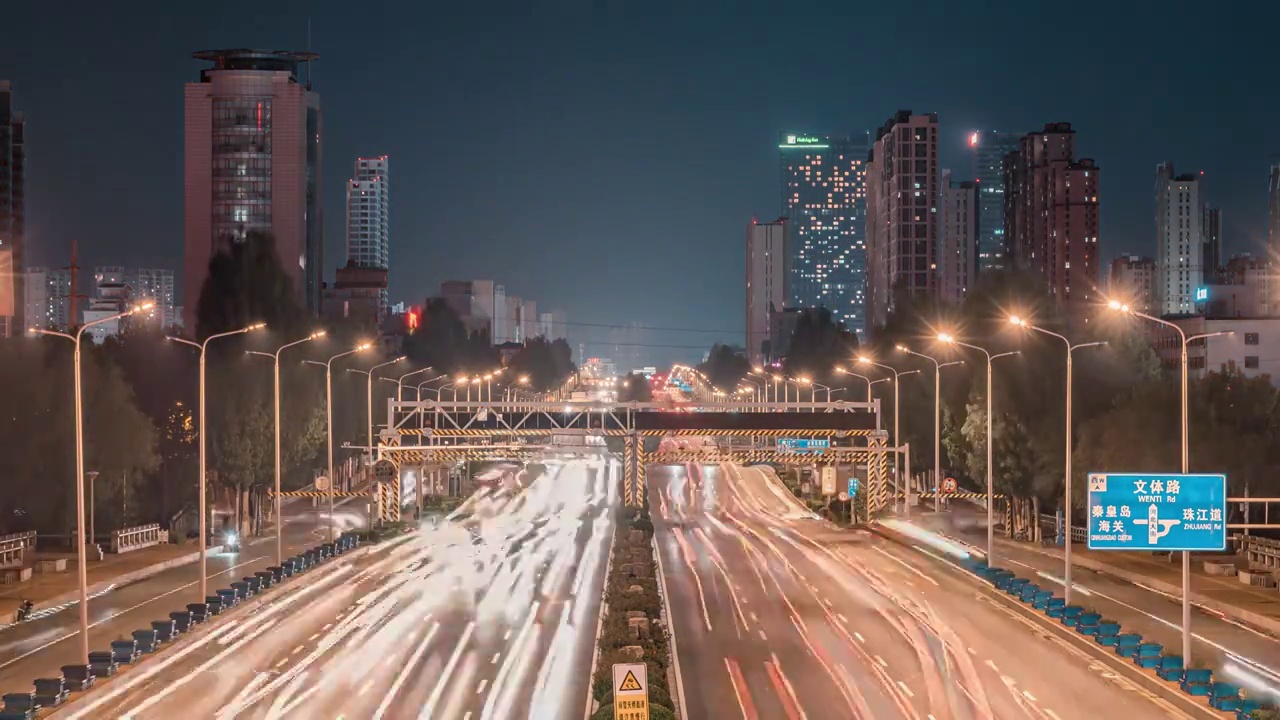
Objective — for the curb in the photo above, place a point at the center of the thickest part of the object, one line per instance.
(1237, 613)
(248, 606)
(595, 645)
(140, 574)
(681, 711)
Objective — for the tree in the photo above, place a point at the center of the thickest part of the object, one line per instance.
(443, 342)
(725, 366)
(247, 284)
(635, 388)
(546, 363)
(818, 344)
(37, 435)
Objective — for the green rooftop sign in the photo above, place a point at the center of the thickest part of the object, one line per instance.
(803, 141)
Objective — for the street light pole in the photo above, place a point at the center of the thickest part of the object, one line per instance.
(1186, 457)
(897, 413)
(276, 503)
(82, 551)
(369, 398)
(328, 411)
(203, 347)
(937, 421)
(991, 533)
(1066, 511)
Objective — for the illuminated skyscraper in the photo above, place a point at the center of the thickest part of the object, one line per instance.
(12, 214)
(252, 164)
(369, 214)
(824, 196)
(902, 207)
(989, 148)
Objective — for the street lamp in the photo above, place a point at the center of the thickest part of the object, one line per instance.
(276, 358)
(368, 402)
(869, 381)
(897, 411)
(991, 534)
(328, 411)
(510, 391)
(1186, 457)
(1071, 349)
(203, 347)
(937, 421)
(400, 381)
(82, 556)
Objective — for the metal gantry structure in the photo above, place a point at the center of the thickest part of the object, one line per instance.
(428, 434)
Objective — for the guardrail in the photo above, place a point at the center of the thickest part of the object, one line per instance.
(1079, 534)
(1261, 552)
(13, 546)
(136, 538)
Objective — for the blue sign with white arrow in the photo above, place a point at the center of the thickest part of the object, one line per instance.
(1151, 511)
(853, 486)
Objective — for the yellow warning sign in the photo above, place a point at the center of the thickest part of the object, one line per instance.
(630, 683)
(631, 691)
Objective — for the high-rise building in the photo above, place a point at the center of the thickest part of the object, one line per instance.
(767, 277)
(902, 195)
(824, 196)
(528, 320)
(958, 244)
(473, 301)
(989, 149)
(111, 296)
(1132, 282)
(1179, 240)
(369, 214)
(155, 285)
(1212, 256)
(12, 213)
(1052, 215)
(1273, 211)
(47, 295)
(252, 164)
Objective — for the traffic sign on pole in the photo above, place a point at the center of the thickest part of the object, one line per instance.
(1154, 511)
(828, 480)
(949, 485)
(853, 486)
(322, 483)
(630, 691)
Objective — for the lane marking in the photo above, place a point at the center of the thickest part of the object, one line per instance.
(906, 689)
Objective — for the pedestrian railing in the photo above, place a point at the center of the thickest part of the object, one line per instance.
(12, 548)
(1049, 528)
(136, 538)
(1261, 552)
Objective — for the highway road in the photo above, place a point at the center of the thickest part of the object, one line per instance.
(1249, 653)
(779, 615)
(41, 646)
(490, 615)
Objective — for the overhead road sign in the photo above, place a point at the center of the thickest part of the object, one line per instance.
(803, 444)
(1154, 511)
(630, 691)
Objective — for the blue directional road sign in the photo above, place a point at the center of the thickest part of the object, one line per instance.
(1150, 511)
(803, 444)
(853, 486)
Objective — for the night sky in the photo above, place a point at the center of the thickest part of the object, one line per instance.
(604, 158)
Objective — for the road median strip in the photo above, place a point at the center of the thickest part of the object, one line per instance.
(633, 625)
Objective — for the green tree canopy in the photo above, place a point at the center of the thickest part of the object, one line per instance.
(635, 388)
(725, 366)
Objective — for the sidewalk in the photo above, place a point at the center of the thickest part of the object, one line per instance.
(50, 590)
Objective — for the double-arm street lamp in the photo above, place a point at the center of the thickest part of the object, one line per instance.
(991, 533)
(276, 358)
(897, 412)
(328, 411)
(937, 421)
(203, 347)
(400, 381)
(868, 380)
(1184, 339)
(82, 556)
(1066, 511)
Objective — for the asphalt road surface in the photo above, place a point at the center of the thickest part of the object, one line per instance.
(1250, 655)
(492, 615)
(41, 646)
(779, 615)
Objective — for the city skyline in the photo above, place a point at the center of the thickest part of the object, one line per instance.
(444, 199)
